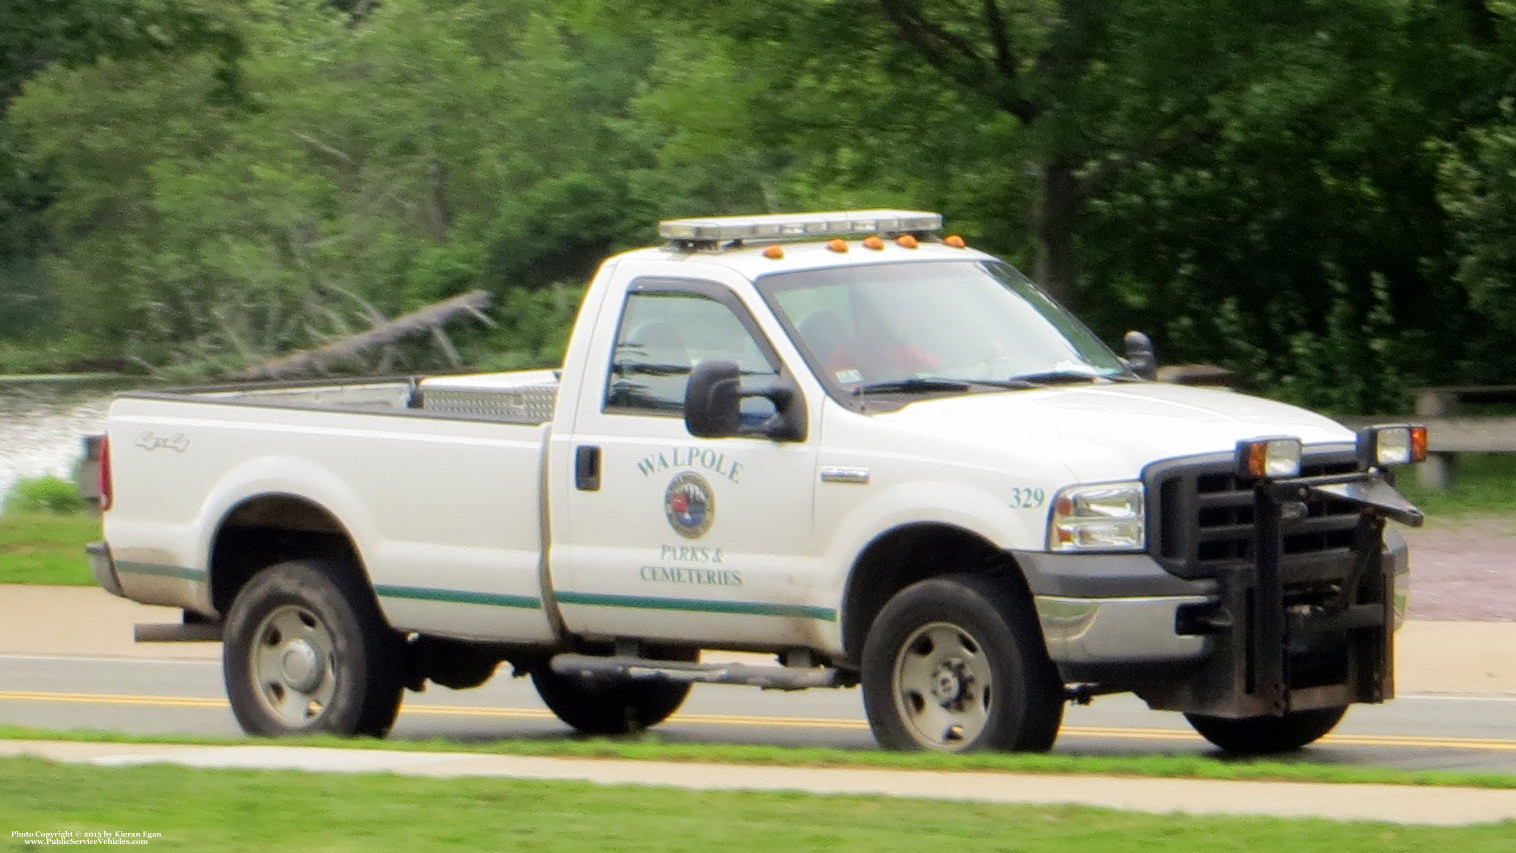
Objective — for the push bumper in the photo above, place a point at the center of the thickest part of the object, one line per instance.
(1122, 621)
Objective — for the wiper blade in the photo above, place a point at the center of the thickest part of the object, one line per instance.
(932, 383)
(1058, 377)
(905, 386)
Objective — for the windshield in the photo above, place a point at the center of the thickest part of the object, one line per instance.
(933, 327)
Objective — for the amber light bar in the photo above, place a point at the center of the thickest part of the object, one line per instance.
(795, 226)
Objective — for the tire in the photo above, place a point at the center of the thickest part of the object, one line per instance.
(1264, 735)
(306, 651)
(957, 664)
(611, 706)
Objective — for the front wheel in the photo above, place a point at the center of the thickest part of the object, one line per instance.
(1264, 735)
(955, 664)
(306, 651)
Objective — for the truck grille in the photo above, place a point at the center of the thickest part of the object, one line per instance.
(1200, 520)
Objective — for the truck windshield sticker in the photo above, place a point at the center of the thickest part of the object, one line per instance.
(690, 505)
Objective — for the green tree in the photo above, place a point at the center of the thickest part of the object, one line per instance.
(1173, 157)
(380, 163)
(35, 36)
(1478, 191)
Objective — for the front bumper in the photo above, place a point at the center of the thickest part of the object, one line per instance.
(1093, 639)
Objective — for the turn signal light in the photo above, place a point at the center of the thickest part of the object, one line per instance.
(907, 240)
(838, 245)
(955, 241)
(1272, 458)
(874, 242)
(773, 252)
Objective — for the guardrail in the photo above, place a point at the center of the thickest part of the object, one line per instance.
(1451, 431)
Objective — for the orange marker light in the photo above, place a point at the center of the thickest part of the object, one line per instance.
(873, 242)
(1258, 459)
(838, 245)
(955, 241)
(773, 252)
(907, 241)
(1418, 444)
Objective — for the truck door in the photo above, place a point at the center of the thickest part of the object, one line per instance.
(659, 534)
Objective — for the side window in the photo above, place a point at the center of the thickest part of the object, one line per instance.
(663, 335)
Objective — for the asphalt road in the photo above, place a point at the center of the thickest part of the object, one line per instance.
(185, 696)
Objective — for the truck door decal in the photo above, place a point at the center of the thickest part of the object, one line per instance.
(690, 505)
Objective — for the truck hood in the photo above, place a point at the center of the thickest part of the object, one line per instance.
(1109, 432)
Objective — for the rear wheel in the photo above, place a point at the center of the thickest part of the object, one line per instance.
(955, 664)
(612, 706)
(1263, 735)
(306, 651)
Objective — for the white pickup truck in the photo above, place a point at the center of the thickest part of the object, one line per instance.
(882, 457)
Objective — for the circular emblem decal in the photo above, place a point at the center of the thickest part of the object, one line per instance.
(690, 505)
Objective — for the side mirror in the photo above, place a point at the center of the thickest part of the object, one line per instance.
(713, 400)
(1139, 355)
(713, 405)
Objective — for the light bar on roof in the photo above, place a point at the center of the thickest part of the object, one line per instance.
(794, 226)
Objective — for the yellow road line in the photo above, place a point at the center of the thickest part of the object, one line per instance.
(111, 699)
(414, 709)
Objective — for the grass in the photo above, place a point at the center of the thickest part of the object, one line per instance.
(648, 747)
(237, 810)
(42, 548)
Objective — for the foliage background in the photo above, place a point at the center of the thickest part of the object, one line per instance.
(1315, 193)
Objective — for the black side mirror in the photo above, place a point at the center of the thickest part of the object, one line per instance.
(713, 405)
(713, 399)
(1139, 355)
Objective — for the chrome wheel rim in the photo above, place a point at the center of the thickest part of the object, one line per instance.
(293, 665)
(943, 687)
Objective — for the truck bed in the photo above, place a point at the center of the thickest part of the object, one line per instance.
(440, 480)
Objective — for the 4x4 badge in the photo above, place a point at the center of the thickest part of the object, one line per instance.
(690, 505)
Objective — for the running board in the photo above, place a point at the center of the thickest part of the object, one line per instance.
(646, 669)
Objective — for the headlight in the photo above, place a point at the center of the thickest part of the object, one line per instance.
(1105, 517)
(1382, 446)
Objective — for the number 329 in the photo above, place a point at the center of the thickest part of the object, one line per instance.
(1027, 498)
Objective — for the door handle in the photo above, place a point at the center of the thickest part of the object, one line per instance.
(587, 468)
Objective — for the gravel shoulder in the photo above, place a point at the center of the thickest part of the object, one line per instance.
(1464, 569)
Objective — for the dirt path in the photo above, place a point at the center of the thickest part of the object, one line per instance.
(1464, 570)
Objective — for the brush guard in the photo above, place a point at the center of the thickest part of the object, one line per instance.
(1280, 649)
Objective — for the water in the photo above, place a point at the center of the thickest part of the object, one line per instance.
(41, 426)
